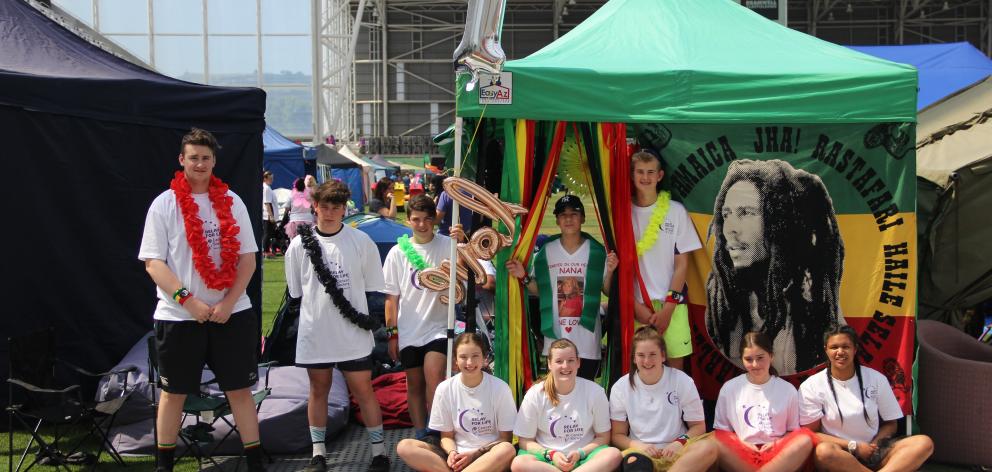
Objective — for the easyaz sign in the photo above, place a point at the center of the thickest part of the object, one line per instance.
(496, 89)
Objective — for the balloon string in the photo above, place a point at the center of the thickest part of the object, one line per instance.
(475, 132)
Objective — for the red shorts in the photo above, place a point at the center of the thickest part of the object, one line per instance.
(760, 458)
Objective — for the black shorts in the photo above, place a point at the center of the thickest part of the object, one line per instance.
(413, 356)
(354, 365)
(230, 350)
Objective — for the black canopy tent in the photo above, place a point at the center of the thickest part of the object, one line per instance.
(89, 140)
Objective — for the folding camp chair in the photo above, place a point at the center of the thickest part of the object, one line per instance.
(208, 409)
(37, 400)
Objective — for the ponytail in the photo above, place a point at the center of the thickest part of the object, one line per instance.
(549, 381)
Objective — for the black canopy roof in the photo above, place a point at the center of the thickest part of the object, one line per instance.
(44, 67)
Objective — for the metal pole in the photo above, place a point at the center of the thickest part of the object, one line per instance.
(385, 68)
(317, 31)
(452, 278)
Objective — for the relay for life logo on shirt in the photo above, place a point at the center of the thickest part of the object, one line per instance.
(756, 416)
(566, 427)
(474, 421)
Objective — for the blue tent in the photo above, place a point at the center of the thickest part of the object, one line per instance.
(383, 231)
(944, 68)
(283, 157)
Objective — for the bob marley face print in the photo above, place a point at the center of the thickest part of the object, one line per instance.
(777, 262)
(743, 225)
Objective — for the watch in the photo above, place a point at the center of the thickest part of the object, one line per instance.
(852, 447)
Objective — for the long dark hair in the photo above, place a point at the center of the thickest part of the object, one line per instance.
(382, 187)
(804, 265)
(648, 334)
(835, 330)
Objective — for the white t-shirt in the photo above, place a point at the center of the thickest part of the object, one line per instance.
(570, 425)
(818, 404)
(476, 415)
(324, 335)
(759, 414)
(658, 264)
(268, 196)
(422, 316)
(164, 238)
(655, 413)
(569, 270)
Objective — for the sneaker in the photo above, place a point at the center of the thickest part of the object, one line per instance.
(379, 464)
(317, 464)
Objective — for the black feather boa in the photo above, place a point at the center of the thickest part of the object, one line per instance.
(330, 284)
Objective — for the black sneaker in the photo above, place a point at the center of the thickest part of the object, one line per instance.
(317, 464)
(379, 464)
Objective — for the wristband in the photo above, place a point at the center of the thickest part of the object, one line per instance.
(682, 439)
(549, 455)
(526, 280)
(675, 297)
(393, 332)
(181, 295)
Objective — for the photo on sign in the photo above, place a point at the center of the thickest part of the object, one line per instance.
(570, 296)
(777, 263)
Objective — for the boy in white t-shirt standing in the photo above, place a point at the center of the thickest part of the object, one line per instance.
(332, 266)
(665, 239)
(199, 249)
(415, 315)
(568, 273)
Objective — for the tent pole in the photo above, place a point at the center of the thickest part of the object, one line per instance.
(452, 278)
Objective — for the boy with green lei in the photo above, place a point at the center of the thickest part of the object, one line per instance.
(666, 236)
(415, 316)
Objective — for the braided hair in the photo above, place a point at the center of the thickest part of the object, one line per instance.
(837, 330)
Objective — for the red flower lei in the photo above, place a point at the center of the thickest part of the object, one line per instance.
(217, 279)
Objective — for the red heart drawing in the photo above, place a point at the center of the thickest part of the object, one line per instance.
(568, 329)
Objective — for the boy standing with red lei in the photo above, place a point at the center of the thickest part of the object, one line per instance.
(199, 250)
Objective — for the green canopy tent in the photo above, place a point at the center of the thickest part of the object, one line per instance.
(697, 62)
(708, 83)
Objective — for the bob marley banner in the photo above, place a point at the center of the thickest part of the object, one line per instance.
(803, 226)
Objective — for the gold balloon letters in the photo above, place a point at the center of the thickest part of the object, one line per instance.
(484, 244)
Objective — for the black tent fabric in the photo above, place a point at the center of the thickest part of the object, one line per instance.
(89, 141)
(328, 156)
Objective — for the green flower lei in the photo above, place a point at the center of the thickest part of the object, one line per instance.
(650, 235)
(416, 260)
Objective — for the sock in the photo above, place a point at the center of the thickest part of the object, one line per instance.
(166, 456)
(376, 439)
(253, 452)
(317, 436)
